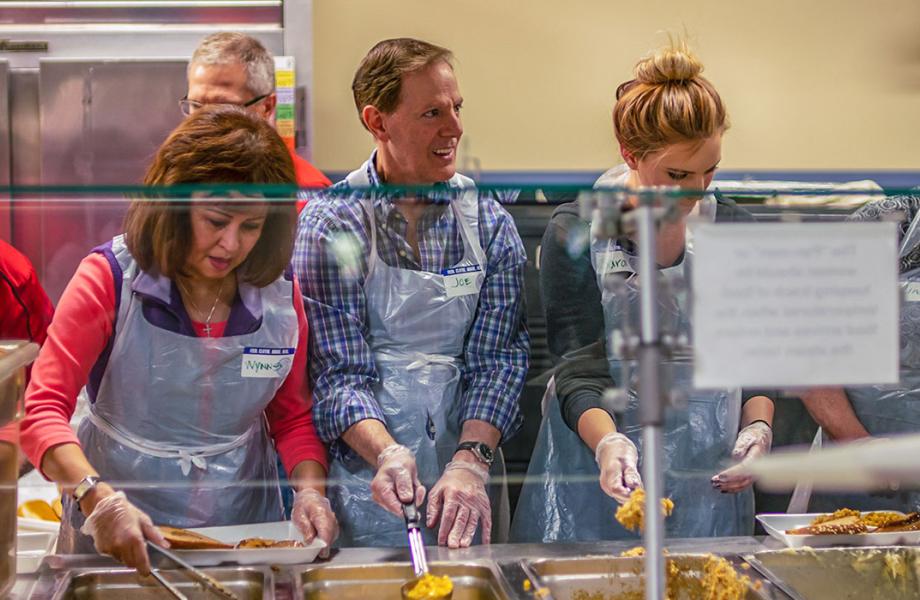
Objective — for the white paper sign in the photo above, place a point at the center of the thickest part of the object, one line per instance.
(795, 304)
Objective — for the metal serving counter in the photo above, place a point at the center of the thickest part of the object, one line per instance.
(484, 572)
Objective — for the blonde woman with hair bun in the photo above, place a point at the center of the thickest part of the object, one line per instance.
(669, 121)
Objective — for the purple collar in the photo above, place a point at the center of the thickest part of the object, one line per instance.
(245, 312)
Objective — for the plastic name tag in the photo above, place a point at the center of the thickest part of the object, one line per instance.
(912, 291)
(462, 281)
(266, 362)
(614, 261)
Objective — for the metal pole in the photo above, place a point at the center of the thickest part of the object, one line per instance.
(651, 405)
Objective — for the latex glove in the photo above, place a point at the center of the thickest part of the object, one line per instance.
(312, 515)
(754, 440)
(618, 459)
(396, 481)
(460, 499)
(120, 529)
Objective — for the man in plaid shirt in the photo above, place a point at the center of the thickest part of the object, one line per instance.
(419, 345)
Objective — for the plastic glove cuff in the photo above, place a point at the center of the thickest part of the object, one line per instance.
(89, 526)
(607, 440)
(478, 470)
(391, 450)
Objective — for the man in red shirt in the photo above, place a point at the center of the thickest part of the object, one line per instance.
(25, 310)
(234, 68)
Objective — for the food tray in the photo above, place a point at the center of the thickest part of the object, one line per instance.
(616, 577)
(477, 580)
(280, 530)
(119, 584)
(777, 524)
(843, 573)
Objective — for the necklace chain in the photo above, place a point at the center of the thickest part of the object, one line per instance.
(207, 322)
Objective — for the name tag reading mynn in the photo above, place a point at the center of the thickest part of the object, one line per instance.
(266, 362)
(462, 281)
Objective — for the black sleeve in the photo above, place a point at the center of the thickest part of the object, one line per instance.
(580, 383)
(571, 298)
(574, 316)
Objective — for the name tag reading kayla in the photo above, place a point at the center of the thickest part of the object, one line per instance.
(912, 291)
(266, 362)
(615, 261)
(462, 281)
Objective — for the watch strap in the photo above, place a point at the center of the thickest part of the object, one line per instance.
(86, 485)
(480, 450)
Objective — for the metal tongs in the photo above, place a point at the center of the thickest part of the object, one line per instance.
(416, 545)
(209, 582)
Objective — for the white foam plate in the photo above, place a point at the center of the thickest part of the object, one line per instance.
(37, 525)
(31, 548)
(777, 524)
(232, 534)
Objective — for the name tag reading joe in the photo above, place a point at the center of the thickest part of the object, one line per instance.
(462, 281)
(266, 362)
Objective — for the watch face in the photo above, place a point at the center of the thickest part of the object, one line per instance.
(486, 452)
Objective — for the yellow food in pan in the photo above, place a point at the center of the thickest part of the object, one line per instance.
(430, 586)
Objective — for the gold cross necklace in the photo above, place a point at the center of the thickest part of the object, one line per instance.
(207, 322)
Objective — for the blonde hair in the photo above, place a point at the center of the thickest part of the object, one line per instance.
(667, 102)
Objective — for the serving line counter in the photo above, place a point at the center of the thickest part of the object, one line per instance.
(585, 571)
(483, 572)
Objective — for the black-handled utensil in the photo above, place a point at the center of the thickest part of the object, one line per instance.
(416, 545)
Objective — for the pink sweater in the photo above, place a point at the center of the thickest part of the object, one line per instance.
(82, 325)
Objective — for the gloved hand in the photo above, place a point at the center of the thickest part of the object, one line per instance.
(396, 481)
(313, 517)
(119, 529)
(752, 441)
(618, 460)
(460, 498)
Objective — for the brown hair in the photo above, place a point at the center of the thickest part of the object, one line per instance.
(378, 80)
(218, 144)
(667, 102)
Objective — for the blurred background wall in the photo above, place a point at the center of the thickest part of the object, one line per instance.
(816, 85)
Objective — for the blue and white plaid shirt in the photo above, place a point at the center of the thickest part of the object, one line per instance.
(330, 260)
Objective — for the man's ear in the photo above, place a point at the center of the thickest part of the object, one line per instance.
(374, 120)
(267, 107)
(631, 161)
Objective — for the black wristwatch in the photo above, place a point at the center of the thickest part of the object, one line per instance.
(481, 450)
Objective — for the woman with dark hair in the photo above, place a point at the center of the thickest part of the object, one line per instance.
(190, 337)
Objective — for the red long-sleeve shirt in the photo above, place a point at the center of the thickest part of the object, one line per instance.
(26, 309)
(82, 326)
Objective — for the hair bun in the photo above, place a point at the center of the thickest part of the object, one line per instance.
(671, 64)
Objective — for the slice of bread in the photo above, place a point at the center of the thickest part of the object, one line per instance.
(910, 522)
(848, 525)
(183, 539)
